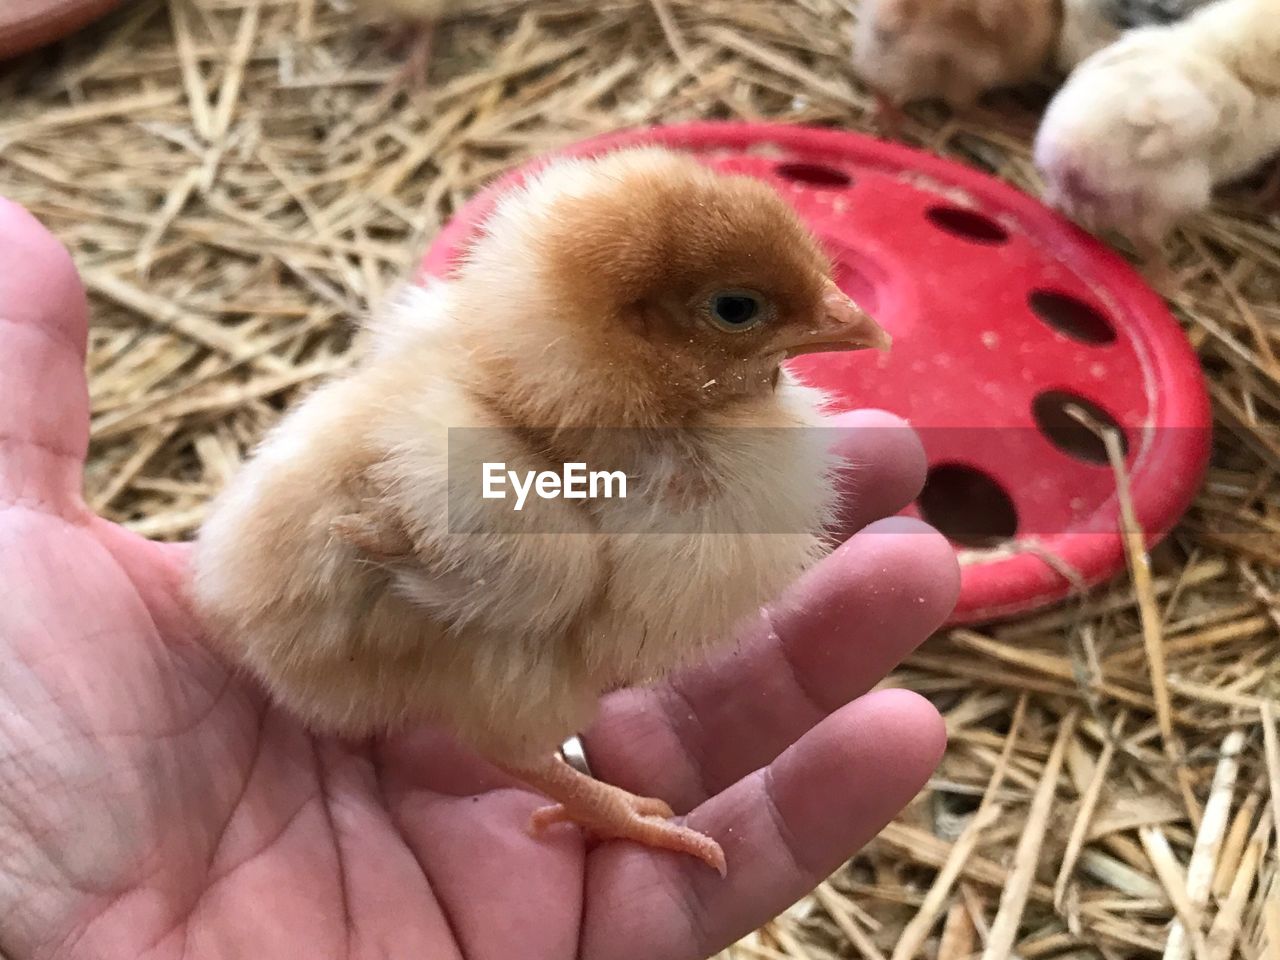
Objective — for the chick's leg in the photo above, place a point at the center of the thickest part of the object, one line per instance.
(889, 116)
(611, 813)
(1156, 267)
(411, 77)
(419, 58)
(1269, 193)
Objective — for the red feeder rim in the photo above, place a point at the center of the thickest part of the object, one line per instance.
(1003, 314)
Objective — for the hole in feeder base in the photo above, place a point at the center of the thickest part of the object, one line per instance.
(967, 506)
(1068, 434)
(1071, 316)
(968, 225)
(814, 174)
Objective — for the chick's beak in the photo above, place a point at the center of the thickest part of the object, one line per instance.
(843, 326)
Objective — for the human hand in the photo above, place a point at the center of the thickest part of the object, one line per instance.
(153, 802)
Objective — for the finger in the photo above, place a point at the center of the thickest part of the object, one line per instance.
(783, 829)
(44, 421)
(886, 468)
(831, 638)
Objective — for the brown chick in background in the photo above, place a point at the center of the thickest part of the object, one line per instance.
(629, 312)
(951, 50)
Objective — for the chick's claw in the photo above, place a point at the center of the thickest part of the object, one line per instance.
(642, 820)
(665, 835)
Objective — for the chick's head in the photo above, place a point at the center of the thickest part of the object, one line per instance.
(641, 286)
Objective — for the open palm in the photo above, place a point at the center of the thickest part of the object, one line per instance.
(154, 803)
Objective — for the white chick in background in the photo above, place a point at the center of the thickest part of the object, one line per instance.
(1142, 131)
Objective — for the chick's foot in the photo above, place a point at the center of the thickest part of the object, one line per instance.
(609, 813)
(418, 63)
(889, 117)
(545, 817)
(639, 819)
(1156, 268)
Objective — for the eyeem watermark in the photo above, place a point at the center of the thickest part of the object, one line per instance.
(575, 482)
(986, 484)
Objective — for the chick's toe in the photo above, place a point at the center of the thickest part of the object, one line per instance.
(610, 813)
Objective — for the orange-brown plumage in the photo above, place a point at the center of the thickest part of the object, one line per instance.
(953, 50)
(588, 323)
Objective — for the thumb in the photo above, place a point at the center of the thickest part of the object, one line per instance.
(44, 415)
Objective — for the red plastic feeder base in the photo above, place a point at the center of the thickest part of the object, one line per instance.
(1003, 316)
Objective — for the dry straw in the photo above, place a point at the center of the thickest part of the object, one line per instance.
(237, 185)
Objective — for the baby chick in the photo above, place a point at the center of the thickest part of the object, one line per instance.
(951, 50)
(1143, 131)
(629, 312)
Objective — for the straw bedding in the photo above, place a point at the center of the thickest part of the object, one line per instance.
(236, 185)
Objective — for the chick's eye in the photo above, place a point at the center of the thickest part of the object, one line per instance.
(736, 310)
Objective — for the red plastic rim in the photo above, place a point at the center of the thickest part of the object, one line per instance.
(1003, 313)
